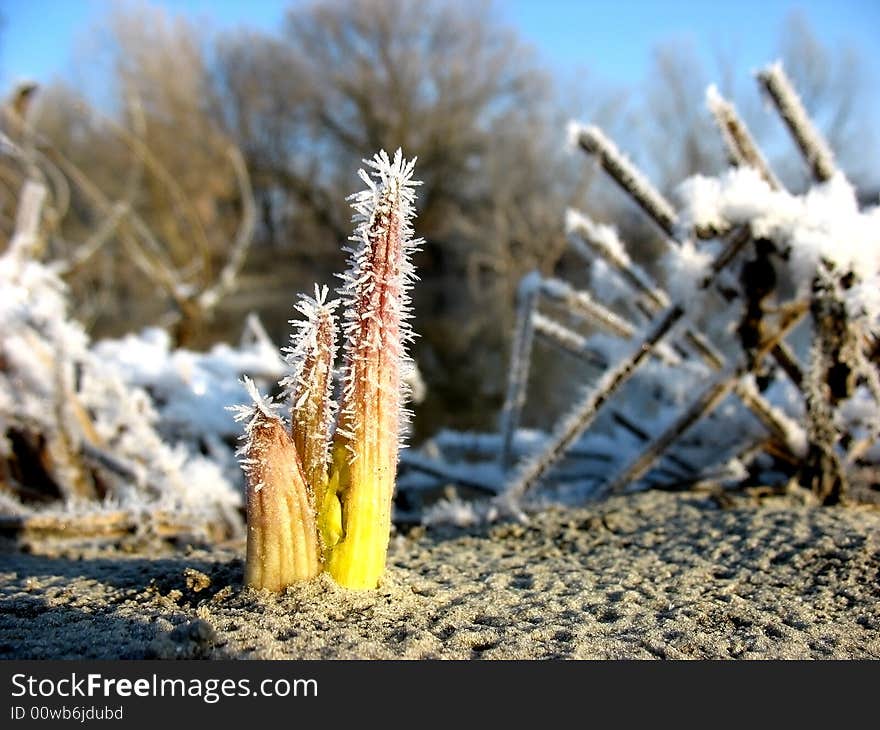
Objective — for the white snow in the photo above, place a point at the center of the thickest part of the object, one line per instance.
(597, 235)
(825, 222)
(191, 390)
(684, 267)
(573, 134)
(460, 513)
(607, 284)
(714, 101)
(50, 370)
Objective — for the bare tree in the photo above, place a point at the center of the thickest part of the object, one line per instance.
(450, 84)
(442, 80)
(678, 137)
(675, 137)
(832, 83)
(162, 180)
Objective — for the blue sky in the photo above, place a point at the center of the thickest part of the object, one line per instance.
(613, 40)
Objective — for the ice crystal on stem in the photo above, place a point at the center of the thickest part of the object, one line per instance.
(310, 387)
(318, 495)
(282, 544)
(376, 333)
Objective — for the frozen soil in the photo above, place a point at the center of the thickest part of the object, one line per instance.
(640, 576)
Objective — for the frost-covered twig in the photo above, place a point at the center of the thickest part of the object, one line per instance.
(582, 416)
(113, 526)
(708, 400)
(584, 413)
(870, 372)
(740, 146)
(582, 304)
(520, 360)
(826, 225)
(454, 473)
(593, 141)
(466, 445)
(26, 237)
(834, 364)
(567, 339)
(812, 145)
(705, 349)
(254, 333)
(705, 403)
(713, 479)
(587, 236)
(785, 429)
(113, 463)
(605, 243)
(64, 443)
(787, 360)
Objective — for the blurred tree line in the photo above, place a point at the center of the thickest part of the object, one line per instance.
(211, 178)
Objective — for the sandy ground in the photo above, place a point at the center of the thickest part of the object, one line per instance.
(642, 576)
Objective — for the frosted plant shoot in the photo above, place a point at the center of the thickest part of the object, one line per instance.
(376, 332)
(282, 546)
(312, 412)
(320, 492)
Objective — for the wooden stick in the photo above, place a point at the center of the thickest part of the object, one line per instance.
(568, 340)
(593, 141)
(771, 418)
(107, 526)
(587, 236)
(739, 143)
(787, 360)
(520, 361)
(709, 482)
(869, 371)
(812, 145)
(705, 403)
(708, 400)
(445, 471)
(582, 228)
(582, 304)
(582, 416)
(584, 413)
(705, 349)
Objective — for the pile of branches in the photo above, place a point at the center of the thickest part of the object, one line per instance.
(757, 361)
(80, 453)
(178, 262)
(129, 437)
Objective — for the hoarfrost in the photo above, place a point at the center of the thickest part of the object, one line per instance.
(824, 223)
(91, 406)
